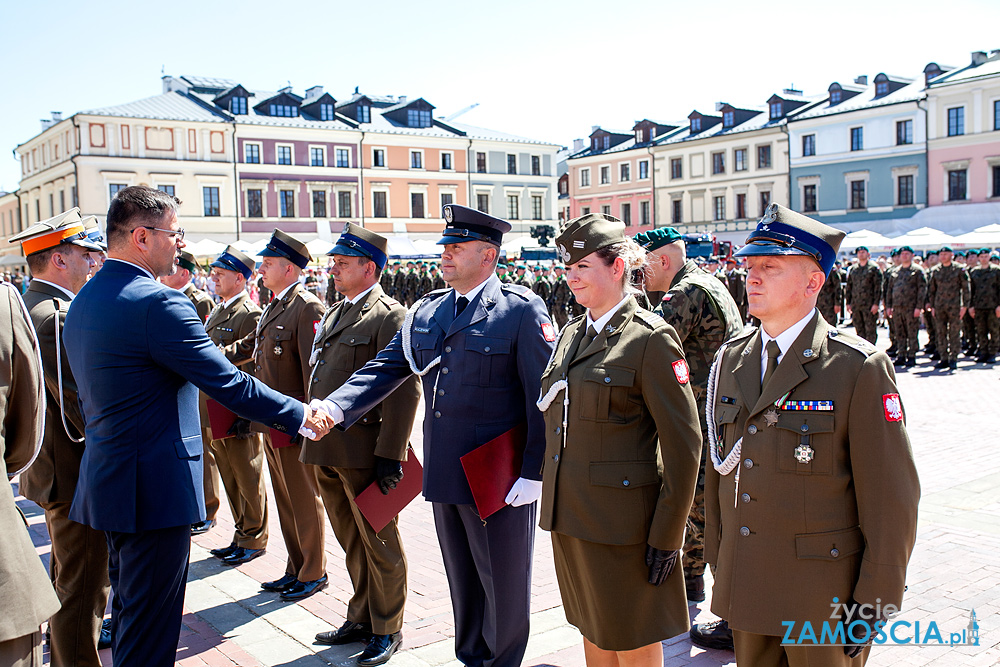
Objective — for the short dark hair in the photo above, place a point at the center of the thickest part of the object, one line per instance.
(137, 205)
(38, 261)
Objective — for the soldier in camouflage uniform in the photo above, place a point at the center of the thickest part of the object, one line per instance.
(522, 277)
(437, 280)
(561, 296)
(411, 284)
(969, 260)
(398, 283)
(736, 282)
(887, 275)
(905, 297)
(704, 314)
(384, 281)
(948, 294)
(542, 287)
(426, 283)
(930, 261)
(985, 281)
(830, 296)
(863, 293)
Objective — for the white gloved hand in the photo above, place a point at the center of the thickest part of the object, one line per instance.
(523, 492)
(329, 407)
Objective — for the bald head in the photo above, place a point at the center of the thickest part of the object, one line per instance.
(664, 263)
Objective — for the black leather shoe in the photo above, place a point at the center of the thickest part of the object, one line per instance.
(715, 635)
(224, 551)
(202, 527)
(303, 589)
(347, 633)
(695, 588)
(241, 555)
(953, 365)
(279, 585)
(104, 641)
(910, 362)
(380, 648)
(941, 364)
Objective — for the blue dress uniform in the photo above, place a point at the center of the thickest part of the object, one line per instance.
(487, 382)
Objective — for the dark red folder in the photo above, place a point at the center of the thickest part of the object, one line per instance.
(379, 509)
(220, 419)
(493, 468)
(279, 438)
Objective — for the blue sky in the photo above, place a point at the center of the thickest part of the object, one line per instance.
(541, 69)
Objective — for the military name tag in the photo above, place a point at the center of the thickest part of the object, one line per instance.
(421, 330)
(822, 406)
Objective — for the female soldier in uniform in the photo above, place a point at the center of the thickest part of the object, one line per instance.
(622, 454)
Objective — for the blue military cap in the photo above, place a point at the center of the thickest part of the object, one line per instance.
(468, 224)
(287, 246)
(94, 234)
(784, 232)
(234, 260)
(357, 241)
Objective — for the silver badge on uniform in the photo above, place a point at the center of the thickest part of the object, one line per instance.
(448, 215)
(278, 350)
(804, 453)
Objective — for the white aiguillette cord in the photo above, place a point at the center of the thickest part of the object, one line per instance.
(722, 466)
(544, 402)
(408, 351)
(59, 379)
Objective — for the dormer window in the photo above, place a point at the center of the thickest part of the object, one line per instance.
(283, 110)
(418, 118)
(638, 136)
(695, 125)
(881, 88)
(238, 106)
(363, 113)
(836, 97)
(607, 142)
(593, 144)
(728, 118)
(326, 112)
(777, 110)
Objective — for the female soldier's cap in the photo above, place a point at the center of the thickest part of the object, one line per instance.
(784, 232)
(582, 236)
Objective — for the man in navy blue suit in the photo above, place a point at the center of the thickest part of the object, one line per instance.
(140, 354)
(480, 348)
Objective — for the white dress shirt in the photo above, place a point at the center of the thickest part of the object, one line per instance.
(784, 340)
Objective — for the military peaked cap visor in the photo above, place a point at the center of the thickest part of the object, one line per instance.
(784, 232)
(234, 260)
(357, 241)
(468, 224)
(67, 228)
(586, 234)
(287, 246)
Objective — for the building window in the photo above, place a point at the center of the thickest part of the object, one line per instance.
(776, 110)
(718, 163)
(741, 205)
(584, 211)
(956, 184)
(416, 161)
(606, 210)
(536, 165)
(72, 191)
(52, 205)
(344, 204)
(881, 88)
(512, 204)
(511, 164)
(728, 118)
(417, 205)
(857, 194)
(446, 161)
(536, 207)
(283, 110)
(996, 181)
(378, 157)
(644, 213)
(585, 178)
(809, 198)
(719, 208)
(836, 97)
(605, 175)
(996, 115)
(343, 157)
(625, 173)
(676, 167)
(379, 208)
(113, 189)
(319, 204)
(483, 202)
(363, 113)
(956, 121)
(169, 189)
(62, 201)
(481, 163)
(765, 201)
(627, 214)
(287, 201)
(695, 125)
(904, 132)
(764, 157)
(251, 153)
(418, 118)
(446, 198)
(607, 141)
(284, 154)
(326, 112)
(238, 105)
(740, 159)
(676, 207)
(857, 138)
(808, 145)
(643, 169)
(316, 158)
(904, 190)
(255, 204)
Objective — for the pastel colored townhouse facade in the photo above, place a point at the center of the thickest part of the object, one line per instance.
(10, 224)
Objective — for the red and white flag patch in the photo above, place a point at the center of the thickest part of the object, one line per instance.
(893, 407)
(681, 371)
(548, 331)
(316, 327)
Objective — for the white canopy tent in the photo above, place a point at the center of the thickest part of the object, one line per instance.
(871, 240)
(205, 248)
(987, 236)
(925, 238)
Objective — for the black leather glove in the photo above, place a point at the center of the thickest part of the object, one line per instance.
(388, 474)
(661, 563)
(853, 650)
(240, 428)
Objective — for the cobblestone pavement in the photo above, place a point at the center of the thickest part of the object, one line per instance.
(955, 566)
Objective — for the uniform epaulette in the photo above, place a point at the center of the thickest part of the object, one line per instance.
(519, 290)
(650, 318)
(852, 341)
(435, 293)
(746, 333)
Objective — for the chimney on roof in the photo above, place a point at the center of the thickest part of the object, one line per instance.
(46, 124)
(171, 83)
(594, 128)
(286, 89)
(314, 92)
(577, 145)
(56, 116)
(862, 80)
(401, 99)
(719, 105)
(792, 90)
(978, 58)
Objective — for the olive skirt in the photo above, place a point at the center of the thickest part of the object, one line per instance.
(607, 595)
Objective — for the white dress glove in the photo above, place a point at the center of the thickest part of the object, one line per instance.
(523, 492)
(329, 407)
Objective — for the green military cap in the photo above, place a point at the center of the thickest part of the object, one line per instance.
(903, 249)
(586, 234)
(287, 246)
(657, 238)
(186, 260)
(65, 228)
(234, 260)
(782, 231)
(930, 252)
(995, 255)
(357, 241)
(501, 265)
(893, 252)
(860, 248)
(984, 251)
(946, 248)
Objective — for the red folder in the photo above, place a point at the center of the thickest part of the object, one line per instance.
(220, 419)
(380, 509)
(280, 438)
(493, 468)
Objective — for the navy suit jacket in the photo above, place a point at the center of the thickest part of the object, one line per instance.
(139, 353)
(492, 358)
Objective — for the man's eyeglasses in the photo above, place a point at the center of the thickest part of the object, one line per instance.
(179, 233)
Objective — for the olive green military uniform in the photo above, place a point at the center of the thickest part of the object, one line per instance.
(411, 285)
(78, 562)
(830, 297)
(280, 348)
(864, 290)
(825, 504)
(948, 292)
(543, 288)
(621, 478)
(385, 280)
(905, 293)
(889, 322)
(202, 302)
(26, 596)
(561, 296)
(240, 460)
(437, 281)
(399, 286)
(344, 461)
(985, 284)
(704, 315)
